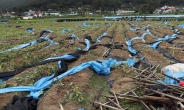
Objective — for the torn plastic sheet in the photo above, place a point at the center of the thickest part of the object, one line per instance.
(4, 79)
(88, 44)
(100, 67)
(85, 25)
(178, 75)
(21, 46)
(181, 26)
(45, 32)
(30, 30)
(154, 45)
(98, 39)
(164, 22)
(31, 43)
(74, 36)
(132, 50)
(50, 40)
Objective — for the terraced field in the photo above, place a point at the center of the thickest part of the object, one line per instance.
(112, 41)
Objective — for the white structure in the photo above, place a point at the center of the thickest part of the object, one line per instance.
(56, 13)
(165, 9)
(27, 17)
(122, 12)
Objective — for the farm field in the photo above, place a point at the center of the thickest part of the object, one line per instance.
(79, 45)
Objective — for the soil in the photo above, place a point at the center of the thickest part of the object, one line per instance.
(58, 93)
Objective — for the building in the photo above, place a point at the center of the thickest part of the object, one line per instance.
(27, 17)
(165, 9)
(56, 13)
(123, 12)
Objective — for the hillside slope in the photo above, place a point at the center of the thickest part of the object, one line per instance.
(8, 4)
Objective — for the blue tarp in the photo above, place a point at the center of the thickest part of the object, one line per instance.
(21, 46)
(4, 79)
(88, 44)
(30, 30)
(85, 25)
(74, 36)
(181, 26)
(178, 75)
(45, 82)
(98, 39)
(164, 22)
(31, 43)
(154, 45)
(66, 56)
(131, 50)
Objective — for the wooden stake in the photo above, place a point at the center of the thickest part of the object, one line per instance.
(61, 106)
(115, 104)
(145, 106)
(116, 98)
(170, 96)
(101, 107)
(107, 106)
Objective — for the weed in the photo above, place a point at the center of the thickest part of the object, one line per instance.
(74, 94)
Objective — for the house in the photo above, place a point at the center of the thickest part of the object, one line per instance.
(122, 12)
(56, 13)
(9, 14)
(27, 17)
(38, 14)
(165, 9)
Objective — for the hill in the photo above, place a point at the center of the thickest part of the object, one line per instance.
(146, 6)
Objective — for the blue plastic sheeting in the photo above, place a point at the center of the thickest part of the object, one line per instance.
(159, 40)
(178, 75)
(154, 45)
(129, 42)
(85, 25)
(148, 32)
(30, 30)
(81, 109)
(139, 19)
(48, 39)
(47, 31)
(176, 31)
(115, 18)
(181, 26)
(88, 44)
(131, 50)
(165, 22)
(74, 36)
(4, 79)
(21, 46)
(167, 37)
(45, 82)
(59, 62)
(131, 29)
(130, 62)
(66, 56)
(64, 31)
(98, 39)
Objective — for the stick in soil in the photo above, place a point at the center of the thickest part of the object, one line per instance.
(115, 103)
(170, 96)
(145, 106)
(107, 106)
(116, 98)
(61, 106)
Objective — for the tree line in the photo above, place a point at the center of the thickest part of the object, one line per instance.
(144, 6)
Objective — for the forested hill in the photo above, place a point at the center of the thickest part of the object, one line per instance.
(9, 4)
(91, 5)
